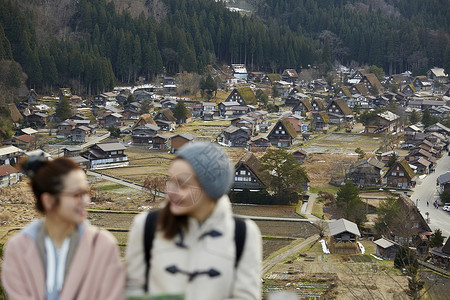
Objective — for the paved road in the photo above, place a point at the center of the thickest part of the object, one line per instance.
(425, 190)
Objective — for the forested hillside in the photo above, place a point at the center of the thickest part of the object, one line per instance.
(88, 45)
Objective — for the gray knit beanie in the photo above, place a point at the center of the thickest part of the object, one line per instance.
(211, 165)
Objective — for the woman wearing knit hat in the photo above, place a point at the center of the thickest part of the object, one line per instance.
(194, 248)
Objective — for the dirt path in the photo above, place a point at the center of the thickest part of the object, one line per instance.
(270, 263)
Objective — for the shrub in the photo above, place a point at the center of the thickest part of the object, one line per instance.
(405, 257)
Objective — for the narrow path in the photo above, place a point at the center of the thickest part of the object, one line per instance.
(116, 180)
(269, 264)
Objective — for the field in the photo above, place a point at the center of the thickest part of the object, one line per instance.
(311, 273)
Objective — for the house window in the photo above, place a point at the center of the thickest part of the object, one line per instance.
(280, 127)
(394, 173)
(237, 173)
(243, 172)
(398, 168)
(401, 174)
(276, 131)
(283, 132)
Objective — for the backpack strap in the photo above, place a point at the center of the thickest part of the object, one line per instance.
(149, 234)
(240, 231)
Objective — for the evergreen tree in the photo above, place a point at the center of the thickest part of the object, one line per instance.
(283, 172)
(437, 239)
(180, 112)
(14, 79)
(414, 117)
(350, 203)
(63, 109)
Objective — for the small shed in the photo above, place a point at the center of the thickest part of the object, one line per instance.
(344, 236)
(386, 248)
(343, 230)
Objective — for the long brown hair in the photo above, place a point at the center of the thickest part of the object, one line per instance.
(170, 224)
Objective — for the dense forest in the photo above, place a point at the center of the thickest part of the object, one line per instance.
(106, 44)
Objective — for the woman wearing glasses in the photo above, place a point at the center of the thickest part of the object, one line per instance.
(194, 248)
(61, 256)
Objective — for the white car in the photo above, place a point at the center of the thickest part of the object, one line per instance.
(446, 207)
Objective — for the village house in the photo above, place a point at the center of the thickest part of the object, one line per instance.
(417, 153)
(386, 248)
(9, 175)
(32, 97)
(25, 142)
(282, 134)
(37, 119)
(303, 107)
(229, 109)
(106, 155)
(159, 142)
(64, 128)
(414, 230)
(245, 123)
(75, 101)
(143, 95)
(343, 231)
(179, 140)
(247, 174)
(9, 155)
(196, 109)
(258, 143)
(409, 90)
(443, 182)
(384, 122)
(400, 175)
(372, 83)
(144, 134)
(28, 130)
(359, 89)
(64, 93)
(441, 255)
(169, 86)
(131, 111)
(244, 96)
(440, 111)
(15, 114)
(300, 155)
(165, 119)
(144, 119)
(339, 112)
(105, 97)
(437, 74)
(298, 123)
(320, 121)
(422, 83)
(270, 79)
(256, 76)
(293, 100)
(168, 103)
(111, 119)
(233, 136)
(318, 104)
(72, 151)
(439, 128)
(239, 71)
(282, 87)
(423, 166)
(366, 172)
(80, 134)
(290, 75)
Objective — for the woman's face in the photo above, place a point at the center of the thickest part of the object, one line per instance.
(183, 189)
(74, 198)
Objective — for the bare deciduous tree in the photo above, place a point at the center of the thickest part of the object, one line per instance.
(155, 184)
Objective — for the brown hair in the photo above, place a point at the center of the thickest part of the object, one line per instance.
(170, 224)
(47, 176)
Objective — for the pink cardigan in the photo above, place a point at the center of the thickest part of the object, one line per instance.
(96, 271)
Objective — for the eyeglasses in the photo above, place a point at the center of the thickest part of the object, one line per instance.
(79, 194)
(175, 184)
